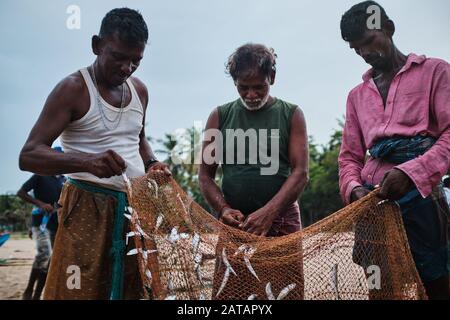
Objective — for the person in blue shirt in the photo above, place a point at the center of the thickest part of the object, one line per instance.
(44, 224)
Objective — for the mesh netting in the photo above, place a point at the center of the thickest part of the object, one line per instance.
(359, 252)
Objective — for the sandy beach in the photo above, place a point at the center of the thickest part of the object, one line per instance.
(19, 254)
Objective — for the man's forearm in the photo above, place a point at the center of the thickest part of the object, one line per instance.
(212, 194)
(27, 198)
(427, 170)
(45, 161)
(145, 150)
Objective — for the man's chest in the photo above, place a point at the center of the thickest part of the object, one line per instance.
(394, 107)
(383, 85)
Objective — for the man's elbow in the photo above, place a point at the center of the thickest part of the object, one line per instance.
(24, 158)
(23, 165)
(302, 176)
(21, 194)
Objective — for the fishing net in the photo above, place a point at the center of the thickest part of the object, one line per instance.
(359, 252)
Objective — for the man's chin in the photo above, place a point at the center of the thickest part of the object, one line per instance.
(118, 81)
(379, 65)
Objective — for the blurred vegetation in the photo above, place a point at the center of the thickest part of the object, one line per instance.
(321, 197)
(15, 215)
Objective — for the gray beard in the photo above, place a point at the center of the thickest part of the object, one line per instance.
(262, 104)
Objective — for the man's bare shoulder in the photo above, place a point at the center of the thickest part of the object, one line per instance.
(141, 89)
(70, 95)
(72, 85)
(138, 83)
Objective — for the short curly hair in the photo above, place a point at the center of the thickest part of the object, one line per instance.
(354, 21)
(250, 60)
(128, 23)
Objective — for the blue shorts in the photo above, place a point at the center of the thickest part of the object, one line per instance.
(426, 223)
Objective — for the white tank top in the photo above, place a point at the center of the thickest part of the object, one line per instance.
(89, 135)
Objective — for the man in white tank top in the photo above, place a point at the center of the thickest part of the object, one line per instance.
(99, 114)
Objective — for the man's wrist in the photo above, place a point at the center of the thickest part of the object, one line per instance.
(149, 163)
(222, 208)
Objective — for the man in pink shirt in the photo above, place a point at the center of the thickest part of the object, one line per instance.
(401, 115)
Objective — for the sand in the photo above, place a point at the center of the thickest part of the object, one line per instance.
(19, 254)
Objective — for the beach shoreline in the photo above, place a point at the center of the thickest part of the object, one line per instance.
(19, 255)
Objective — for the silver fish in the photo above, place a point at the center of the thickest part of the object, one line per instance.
(198, 258)
(153, 185)
(197, 266)
(159, 221)
(141, 232)
(246, 249)
(286, 290)
(184, 235)
(171, 297)
(382, 202)
(148, 274)
(250, 268)
(132, 252)
(174, 236)
(144, 254)
(269, 293)
(129, 235)
(252, 297)
(127, 182)
(250, 251)
(224, 281)
(242, 248)
(198, 272)
(226, 262)
(170, 285)
(335, 281)
(195, 242)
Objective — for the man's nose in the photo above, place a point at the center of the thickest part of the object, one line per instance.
(126, 68)
(251, 94)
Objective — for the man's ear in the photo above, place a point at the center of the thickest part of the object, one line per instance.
(96, 44)
(272, 77)
(389, 28)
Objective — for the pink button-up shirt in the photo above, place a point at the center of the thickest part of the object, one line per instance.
(418, 102)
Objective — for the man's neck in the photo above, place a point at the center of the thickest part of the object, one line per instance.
(100, 79)
(397, 61)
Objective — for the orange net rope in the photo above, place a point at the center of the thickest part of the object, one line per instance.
(359, 252)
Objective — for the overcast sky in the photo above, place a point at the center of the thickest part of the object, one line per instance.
(184, 62)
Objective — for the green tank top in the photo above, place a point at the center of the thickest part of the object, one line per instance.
(250, 180)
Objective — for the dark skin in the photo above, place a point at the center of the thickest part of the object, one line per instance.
(260, 221)
(377, 49)
(69, 101)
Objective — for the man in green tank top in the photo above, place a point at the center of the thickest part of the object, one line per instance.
(261, 143)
